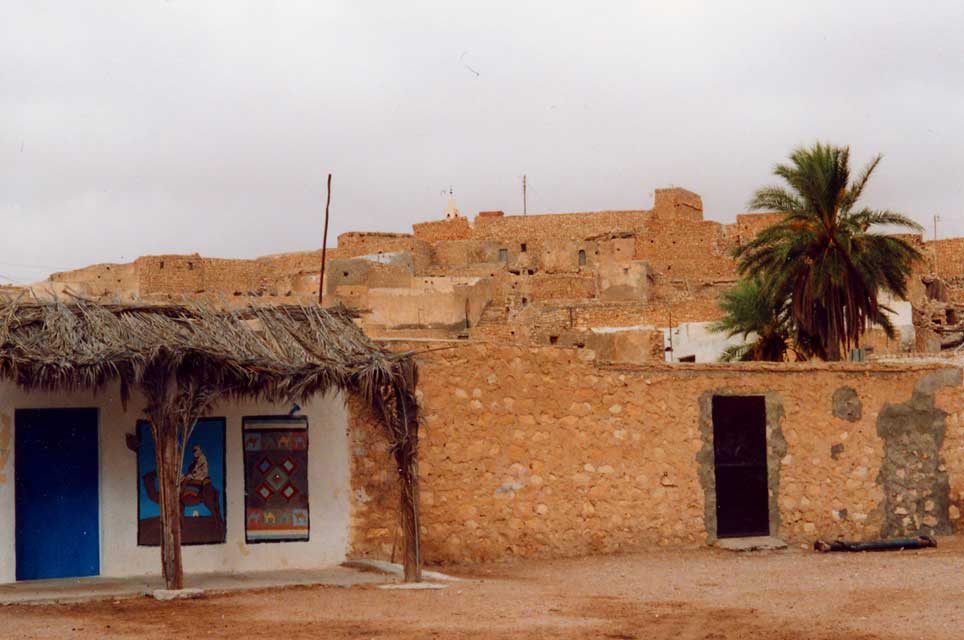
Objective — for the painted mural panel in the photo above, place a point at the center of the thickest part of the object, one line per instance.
(202, 486)
(276, 479)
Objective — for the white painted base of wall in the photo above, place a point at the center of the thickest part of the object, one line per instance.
(329, 481)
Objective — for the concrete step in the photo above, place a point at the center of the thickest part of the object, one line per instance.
(754, 543)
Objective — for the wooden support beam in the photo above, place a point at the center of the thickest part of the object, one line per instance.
(173, 409)
(406, 454)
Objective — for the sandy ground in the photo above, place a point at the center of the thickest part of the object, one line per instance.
(702, 594)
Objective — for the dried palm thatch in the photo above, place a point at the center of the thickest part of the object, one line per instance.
(185, 358)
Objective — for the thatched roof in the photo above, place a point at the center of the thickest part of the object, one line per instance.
(185, 358)
(272, 352)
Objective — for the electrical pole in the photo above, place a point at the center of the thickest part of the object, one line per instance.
(324, 245)
(936, 220)
(524, 206)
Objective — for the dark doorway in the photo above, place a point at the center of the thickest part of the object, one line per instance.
(57, 493)
(740, 457)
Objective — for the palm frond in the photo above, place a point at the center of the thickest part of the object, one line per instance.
(823, 257)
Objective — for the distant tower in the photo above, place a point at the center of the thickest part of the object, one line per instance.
(451, 211)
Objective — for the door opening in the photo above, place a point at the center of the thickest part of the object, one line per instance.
(740, 457)
(56, 471)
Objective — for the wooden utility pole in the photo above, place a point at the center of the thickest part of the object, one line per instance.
(324, 246)
(936, 220)
(524, 207)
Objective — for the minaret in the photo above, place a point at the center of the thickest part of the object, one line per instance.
(451, 211)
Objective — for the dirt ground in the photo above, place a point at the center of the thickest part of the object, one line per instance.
(688, 595)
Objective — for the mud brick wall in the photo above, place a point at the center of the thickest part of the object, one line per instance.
(573, 226)
(613, 314)
(238, 275)
(685, 249)
(671, 205)
(678, 204)
(169, 274)
(539, 452)
(101, 277)
(461, 253)
(747, 226)
(300, 262)
(435, 231)
(353, 244)
(299, 272)
(657, 312)
(178, 275)
(950, 257)
(559, 286)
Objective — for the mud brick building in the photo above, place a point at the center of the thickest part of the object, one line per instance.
(637, 285)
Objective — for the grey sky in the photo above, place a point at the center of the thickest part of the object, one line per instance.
(159, 127)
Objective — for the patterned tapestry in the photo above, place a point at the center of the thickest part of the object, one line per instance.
(202, 486)
(276, 478)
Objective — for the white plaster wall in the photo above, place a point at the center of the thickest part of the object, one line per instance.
(328, 477)
(902, 315)
(695, 338)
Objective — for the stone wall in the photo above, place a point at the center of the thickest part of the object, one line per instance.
(439, 230)
(539, 452)
(98, 278)
(686, 249)
(677, 204)
(435, 303)
(455, 254)
(289, 275)
(169, 274)
(355, 243)
(572, 226)
(748, 225)
(950, 257)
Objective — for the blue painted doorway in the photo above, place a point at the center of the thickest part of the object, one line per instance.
(57, 494)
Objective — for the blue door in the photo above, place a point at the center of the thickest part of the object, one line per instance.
(56, 476)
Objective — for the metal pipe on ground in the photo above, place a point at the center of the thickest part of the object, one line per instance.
(894, 544)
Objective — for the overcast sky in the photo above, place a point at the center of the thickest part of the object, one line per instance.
(178, 127)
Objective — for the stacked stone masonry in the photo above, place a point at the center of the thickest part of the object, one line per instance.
(542, 452)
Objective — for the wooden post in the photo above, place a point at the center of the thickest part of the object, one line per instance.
(936, 268)
(525, 207)
(173, 409)
(411, 553)
(169, 499)
(406, 456)
(324, 245)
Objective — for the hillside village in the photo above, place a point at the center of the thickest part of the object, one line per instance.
(481, 321)
(613, 282)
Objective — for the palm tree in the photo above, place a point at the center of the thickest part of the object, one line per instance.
(823, 254)
(749, 310)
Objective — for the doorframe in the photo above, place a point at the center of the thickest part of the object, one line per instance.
(65, 405)
(776, 450)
